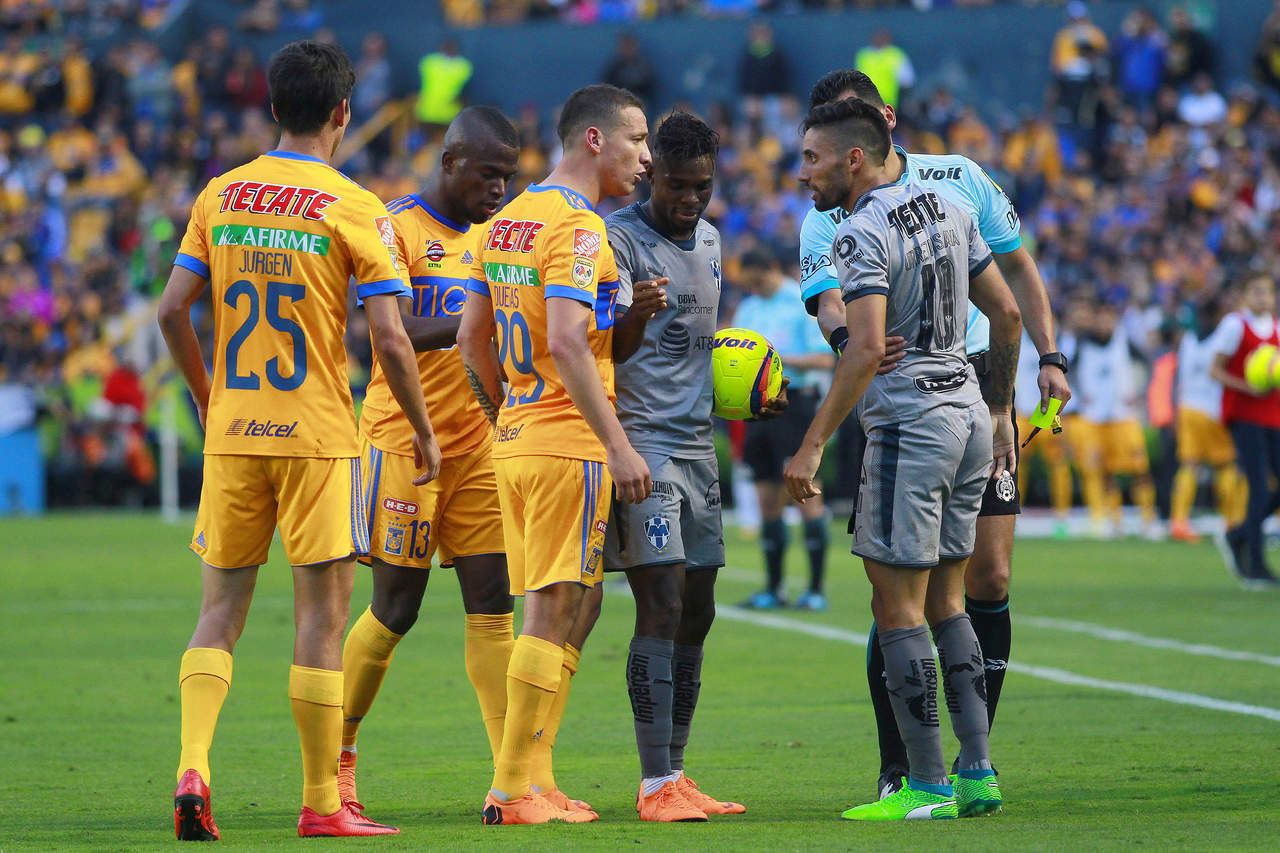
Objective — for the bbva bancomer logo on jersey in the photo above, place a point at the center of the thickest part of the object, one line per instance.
(256, 428)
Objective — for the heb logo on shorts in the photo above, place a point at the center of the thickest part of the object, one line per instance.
(269, 429)
(602, 526)
(586, 243)
(401, 507)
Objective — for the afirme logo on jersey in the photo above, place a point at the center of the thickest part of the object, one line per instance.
(256, 428)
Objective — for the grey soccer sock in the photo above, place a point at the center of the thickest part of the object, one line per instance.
(649, 685)
(964, 683)
(686, 671)
(911, 675)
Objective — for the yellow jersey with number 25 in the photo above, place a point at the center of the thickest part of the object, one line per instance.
(279, 240)
(548, 243)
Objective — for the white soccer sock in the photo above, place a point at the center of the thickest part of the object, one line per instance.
(651, 786)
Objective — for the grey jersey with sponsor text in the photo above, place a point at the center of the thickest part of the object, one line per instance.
(664, 389)
(919, 251)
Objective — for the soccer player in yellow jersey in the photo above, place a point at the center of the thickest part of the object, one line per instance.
(279, 239)
(457, 513)
(545, 283)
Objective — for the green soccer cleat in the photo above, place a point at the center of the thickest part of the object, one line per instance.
(977, 797)
(906, 804)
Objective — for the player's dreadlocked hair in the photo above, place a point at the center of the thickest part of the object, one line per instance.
(683, 137)
(835, 83)
(857, 125)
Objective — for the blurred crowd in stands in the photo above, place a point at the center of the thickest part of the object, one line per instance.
(1146, 180)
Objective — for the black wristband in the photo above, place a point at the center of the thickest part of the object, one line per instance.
(1056, 359)
(839, 338)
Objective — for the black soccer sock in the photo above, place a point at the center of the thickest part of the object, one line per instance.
(995, 635)
(893, 752)
(815, 542)
(686, 677)
(649, 684)
(773, 539)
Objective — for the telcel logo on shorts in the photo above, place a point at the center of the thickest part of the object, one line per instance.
(270, 429)
(402, 507)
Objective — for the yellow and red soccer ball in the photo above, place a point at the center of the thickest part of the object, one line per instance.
(746, 372)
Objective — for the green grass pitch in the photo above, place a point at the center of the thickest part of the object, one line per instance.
(1100, 740)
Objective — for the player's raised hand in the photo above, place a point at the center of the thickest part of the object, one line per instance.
(895, 347)
(630, 475)
(1002, 444)
(426, 454)
(648, 297)
(1053, 383)
(800, 472)
(774, 406)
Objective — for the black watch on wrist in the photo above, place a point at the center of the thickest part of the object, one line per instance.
(1056, 359)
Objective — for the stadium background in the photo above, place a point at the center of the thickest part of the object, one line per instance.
(1141, 702)
(112, 116)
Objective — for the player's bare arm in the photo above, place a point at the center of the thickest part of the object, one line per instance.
(831, 320)
(854, 371)
(567, 342)
(989, 291)
(174, 314)
(428, 333)
(395, 354)
(1022, 274)
(1218, 370)
(647, 299)
(475, 343)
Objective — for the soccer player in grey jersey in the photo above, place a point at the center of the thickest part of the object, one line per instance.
(907, 262)
(670, 545)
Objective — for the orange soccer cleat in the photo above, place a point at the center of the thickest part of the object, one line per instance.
(347, 780)
(346, 822)
(558, 799)
(1183, 532)
(529, 809)
(689, 789)
(667, 805)
(193, 810)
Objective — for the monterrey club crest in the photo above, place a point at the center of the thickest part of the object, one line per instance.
(658, 531)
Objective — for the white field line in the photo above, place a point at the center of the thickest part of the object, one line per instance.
(1101, 632)
(1059, 676)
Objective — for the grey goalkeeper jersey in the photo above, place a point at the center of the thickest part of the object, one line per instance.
(918, 250)
(664, 389)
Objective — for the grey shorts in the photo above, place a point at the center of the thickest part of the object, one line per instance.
(678, 523)
(921, 488)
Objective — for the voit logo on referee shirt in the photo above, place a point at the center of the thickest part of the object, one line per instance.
(256, 428)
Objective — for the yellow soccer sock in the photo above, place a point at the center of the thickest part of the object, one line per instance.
(489, 640)
(1144, 495)
(316, 698)
(1095, 493)
(1231, 493)
(1185, 483)
(1060, 487)
(533, 676)
(203, 681)
(541, 775)
(365, 658)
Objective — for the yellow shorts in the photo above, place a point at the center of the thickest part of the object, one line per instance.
(1124, 448)
(457, 512)
(1052, 447)
(314, 502)
(1202, 439)
(554, 513)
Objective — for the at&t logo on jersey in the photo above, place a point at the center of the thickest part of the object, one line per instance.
(276, 200)
(256, 428)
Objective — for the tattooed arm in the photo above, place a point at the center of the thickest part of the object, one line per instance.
(475, 343)
(993, 297)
